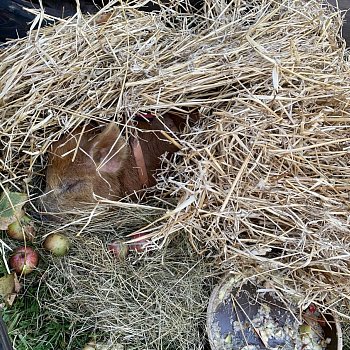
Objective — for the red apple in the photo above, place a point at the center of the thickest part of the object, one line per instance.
(24, 260)
(22, 229)
(119, 249)
(140, 245)
(57, 244)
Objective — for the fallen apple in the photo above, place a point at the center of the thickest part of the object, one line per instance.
(119, 249)
(22, 229)
(24, 260)
(57, 244)
(138, 246)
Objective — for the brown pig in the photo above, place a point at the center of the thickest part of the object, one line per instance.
(88, 164)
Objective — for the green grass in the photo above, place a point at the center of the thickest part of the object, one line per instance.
(32, 327)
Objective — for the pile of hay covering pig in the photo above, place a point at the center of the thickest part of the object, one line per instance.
(261, 183)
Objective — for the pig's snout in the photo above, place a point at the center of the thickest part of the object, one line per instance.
(56, 204)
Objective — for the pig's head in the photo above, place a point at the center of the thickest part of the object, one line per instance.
(83, 165)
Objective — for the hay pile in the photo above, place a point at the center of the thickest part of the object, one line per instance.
(262, 181)
(157, 301)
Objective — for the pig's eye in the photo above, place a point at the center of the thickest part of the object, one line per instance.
(71, 186)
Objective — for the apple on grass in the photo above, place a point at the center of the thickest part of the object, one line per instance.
(140, 245)
(22, 229)
(57, 244)
(118, 249)
(24, 260)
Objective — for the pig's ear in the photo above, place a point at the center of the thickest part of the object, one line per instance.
(108, 149)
